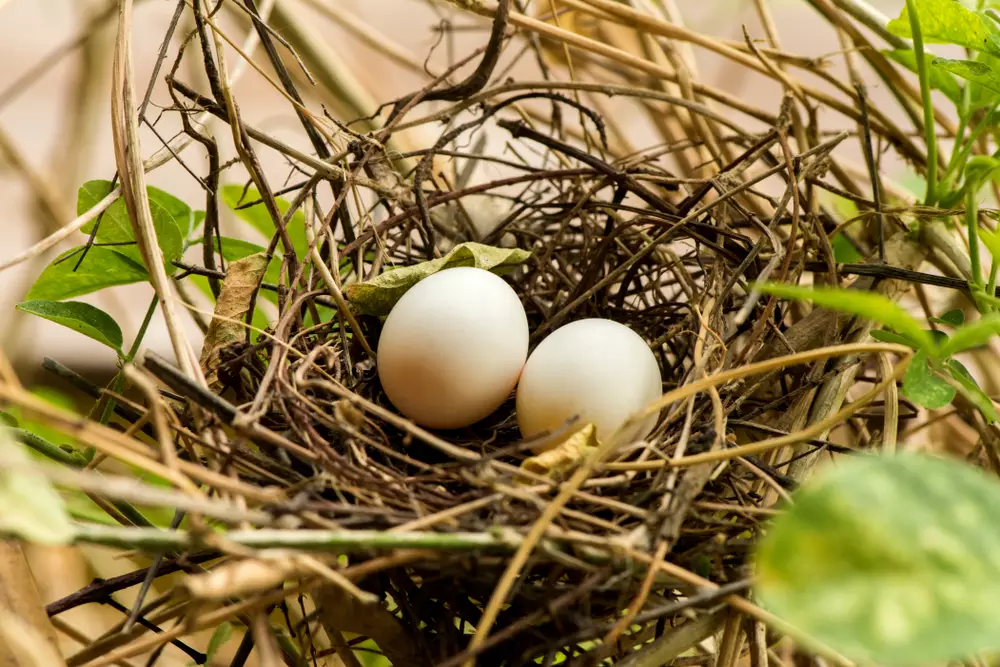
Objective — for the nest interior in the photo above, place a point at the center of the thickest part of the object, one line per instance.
(469, 556)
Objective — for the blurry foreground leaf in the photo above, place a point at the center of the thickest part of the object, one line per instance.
(88, 320)
(889, 560)
(379, 295)
(869, 305)
(972, 335)
(227, 327)
(30, 508)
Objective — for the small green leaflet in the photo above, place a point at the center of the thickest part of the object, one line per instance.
(379, 295)
(886, 336)
(969, 388)
(949, 22)
(844, 251)
(953, 318)
(891, 560)
(921, 386)
(30, 508)
(172, 220)
(871, 306)
(100, 268)
(88, 320)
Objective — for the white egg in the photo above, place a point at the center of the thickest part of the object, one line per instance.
(453, 347)
(597, 370)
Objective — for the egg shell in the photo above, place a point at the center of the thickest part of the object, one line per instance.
(452, 348)
(596, 369)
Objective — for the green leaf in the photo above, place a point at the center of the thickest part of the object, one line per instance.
(88, 320)
(258, 217)
(975, 334)
(172, 220)
(234, 249)
(221, 635)
(100, 268)
(921, 386)
(844, 251)
(969, 388)
(991, 240)
(980, 170)
(379, 295)
(948, 22)
(197, 220)
(871, 306)
(30, 508)
(7, 419)
(891, 560)
(953, 318)
(940, 78)
(885, 336)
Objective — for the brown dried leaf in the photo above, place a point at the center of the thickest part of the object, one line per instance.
(559, 461)
(227, 327)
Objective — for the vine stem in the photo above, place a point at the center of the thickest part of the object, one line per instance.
(930, 137)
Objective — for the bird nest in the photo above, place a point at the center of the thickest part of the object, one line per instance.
(441, 548)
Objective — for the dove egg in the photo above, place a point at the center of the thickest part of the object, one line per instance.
(452, 348)
(597, 370)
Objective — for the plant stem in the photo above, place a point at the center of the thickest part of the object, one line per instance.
(930, 136)
(154, 539)
(119, 381)
(142, 329)
(972, 222)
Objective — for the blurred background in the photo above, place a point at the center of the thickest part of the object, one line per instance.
(55, 69)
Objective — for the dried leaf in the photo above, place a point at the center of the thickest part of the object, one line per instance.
(227, 326)
(26, 637)
(559, 461)
(379, 295)
(241, 578)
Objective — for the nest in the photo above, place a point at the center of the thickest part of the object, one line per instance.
(451, 550)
